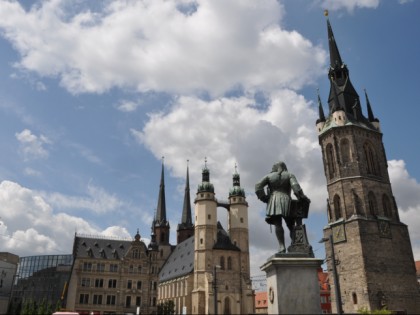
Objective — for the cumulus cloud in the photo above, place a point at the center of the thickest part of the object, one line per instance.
(406, 191)
(30, 226)
(349, 5)
(32, 146)
(162, 46)
(97, 200)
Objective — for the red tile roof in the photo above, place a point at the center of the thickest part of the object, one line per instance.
(261, 300)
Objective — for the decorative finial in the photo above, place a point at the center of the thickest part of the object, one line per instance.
(188, 163)
(326, 12)
(163, 159)
(236, 168)
(205, 162)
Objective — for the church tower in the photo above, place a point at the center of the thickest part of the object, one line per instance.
(238, 221)
(373, 253)
(205, 234)
(186, 227)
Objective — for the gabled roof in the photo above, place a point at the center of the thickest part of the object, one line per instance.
(180, 262)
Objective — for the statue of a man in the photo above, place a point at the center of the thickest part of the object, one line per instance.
(280, 183)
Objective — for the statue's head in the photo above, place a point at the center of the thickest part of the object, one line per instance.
(279, 167)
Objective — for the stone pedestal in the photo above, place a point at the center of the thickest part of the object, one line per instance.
(292, 285)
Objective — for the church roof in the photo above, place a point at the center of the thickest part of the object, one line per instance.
(180, 262)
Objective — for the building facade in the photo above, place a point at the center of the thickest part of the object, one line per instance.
(376, 266)
(8, 267)
(211, 268)
(112, 276)
(40, 283)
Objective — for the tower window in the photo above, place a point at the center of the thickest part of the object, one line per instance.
(354, 297)
(373, 206)
(229, 263)
(330, 160)
(345, 150)
(242, 220)
(371, 161)
(386, 205)
(209, 216)
(201, 241)
(337, 207)
(222, 262)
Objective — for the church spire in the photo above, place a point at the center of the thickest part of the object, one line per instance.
(161, 207)
(342, 93)
(320, 110)
(186, 210)
(369, 109)
(186, 228)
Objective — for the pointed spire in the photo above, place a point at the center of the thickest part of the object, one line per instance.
(369, 109)
(320, 110)
(336, 103)
(161, 207)
(335, 58)
(186, 211)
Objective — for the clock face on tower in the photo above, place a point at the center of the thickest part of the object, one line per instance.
(339, 233)
(384, 228)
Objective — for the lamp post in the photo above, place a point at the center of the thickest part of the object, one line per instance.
(338, 302)
(215, 287)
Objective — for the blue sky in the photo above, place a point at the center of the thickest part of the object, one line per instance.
(94, 93)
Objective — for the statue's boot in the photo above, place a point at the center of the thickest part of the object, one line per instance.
(280, 237)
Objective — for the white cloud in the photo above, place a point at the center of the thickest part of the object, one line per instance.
(32, 146)
(349, 5)
(153, 45)
(97, 200)
(127, 106)
(30, 226)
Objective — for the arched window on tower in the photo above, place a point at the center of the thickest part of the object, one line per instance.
(373, 205)
(226, 309)
(229, 263)
(371, 160)
(330, 160)
(337, 207)
(345, 151)
(386, 204)
(222, 262)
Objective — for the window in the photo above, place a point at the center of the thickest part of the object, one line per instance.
(100, 267)
(113, 268)
(138, 285)
(229, 263)
(129, 284)
(97, 299)
(87, 266)
(127, 301)
(345, 151)
(222, 262)
(138, 300)
(386, 205)
(131, 269)
(84, 298)
(209, 216)
(136, 253)
(154, 285)
(139, 269)
(227, 306)
(112, 283)
(99, 283)
(354, 297)
(110, 300)
(85, 282)
(154, 302)
(371, 162)
(337, 207)
(373, 206)
(330, 160)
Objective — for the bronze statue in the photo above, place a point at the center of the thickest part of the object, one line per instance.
(280, 206)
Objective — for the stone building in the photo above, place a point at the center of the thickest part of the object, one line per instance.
(8, 266)
(376, 266)
(212, 266)
(112, 276)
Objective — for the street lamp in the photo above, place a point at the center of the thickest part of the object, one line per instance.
(215, 287)
(336, 280)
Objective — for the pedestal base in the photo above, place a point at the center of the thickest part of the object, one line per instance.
(292, 285)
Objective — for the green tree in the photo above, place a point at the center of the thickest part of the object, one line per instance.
(166, 308)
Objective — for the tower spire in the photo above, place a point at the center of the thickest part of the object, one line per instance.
(186, 210)
(369, 108)
(161, 207)
(335, 58)
(320, 110)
